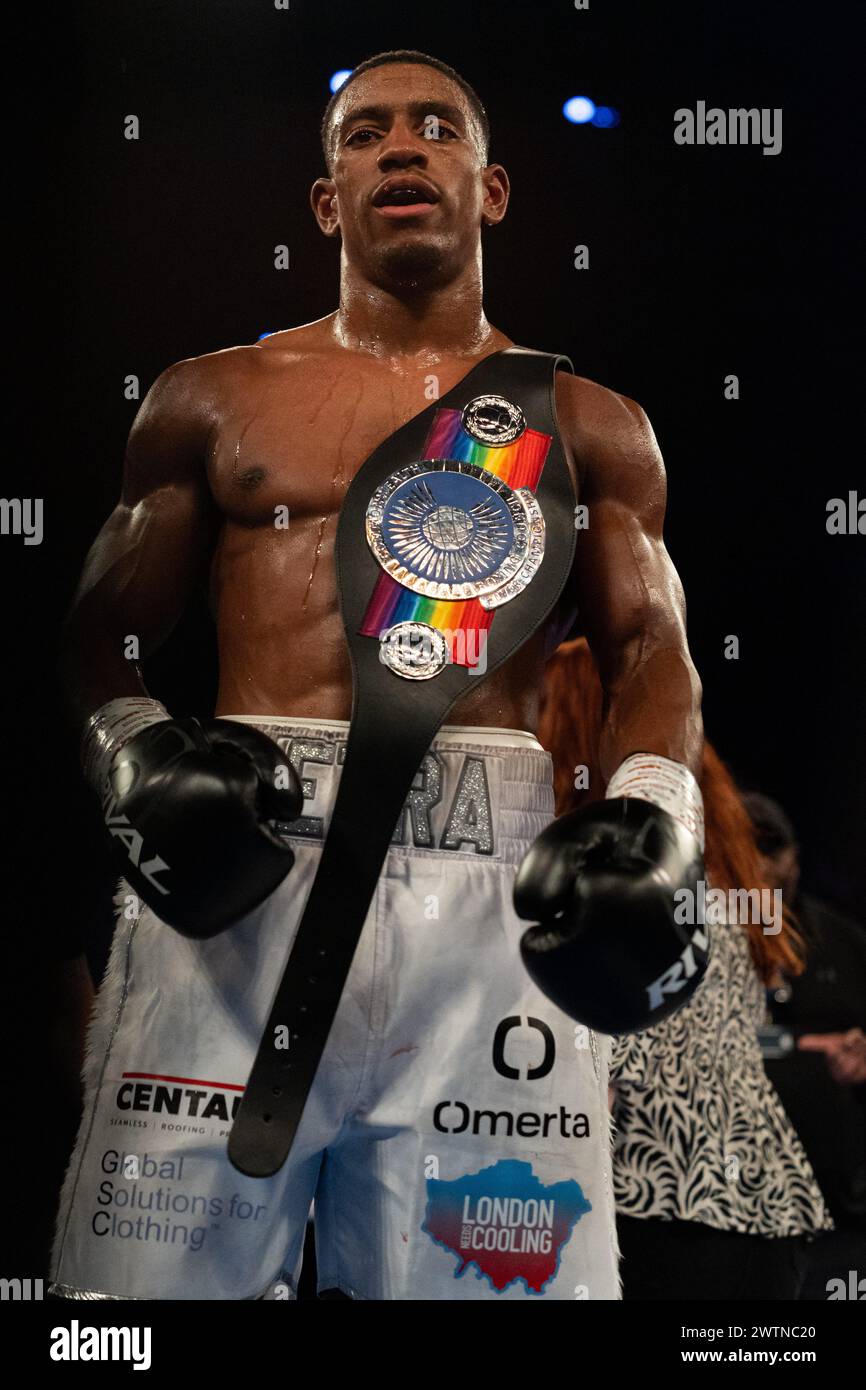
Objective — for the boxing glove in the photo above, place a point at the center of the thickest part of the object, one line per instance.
(190, 805)
(603, 885)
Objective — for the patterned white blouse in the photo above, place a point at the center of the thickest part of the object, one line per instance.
(700, 1132)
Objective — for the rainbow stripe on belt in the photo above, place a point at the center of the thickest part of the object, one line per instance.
(519, 465)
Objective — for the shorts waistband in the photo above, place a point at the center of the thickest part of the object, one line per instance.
(516, 783)
(478, 735)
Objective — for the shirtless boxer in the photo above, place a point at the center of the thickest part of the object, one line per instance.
(455, 1139)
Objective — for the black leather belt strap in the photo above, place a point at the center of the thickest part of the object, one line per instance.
(394, 722)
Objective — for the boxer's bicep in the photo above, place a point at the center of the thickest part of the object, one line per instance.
(626, 585)
(630, 595)
(145, 561)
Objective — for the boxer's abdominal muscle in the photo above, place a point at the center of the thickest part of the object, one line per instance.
(281, 645)
(273, 584)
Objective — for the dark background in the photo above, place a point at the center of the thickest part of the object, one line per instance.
(703, 262)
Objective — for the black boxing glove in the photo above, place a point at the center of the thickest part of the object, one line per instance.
(190, 805)
(604, 884)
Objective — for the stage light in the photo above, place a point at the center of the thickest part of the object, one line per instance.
(605, 117)
(579, 110)
(339, 78)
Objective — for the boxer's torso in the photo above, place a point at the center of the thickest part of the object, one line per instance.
(291, 422)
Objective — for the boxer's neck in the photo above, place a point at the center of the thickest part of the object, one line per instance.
(447, 320)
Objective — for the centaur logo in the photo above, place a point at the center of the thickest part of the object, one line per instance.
(676, 975)
(76, 1343)
(178, 1095)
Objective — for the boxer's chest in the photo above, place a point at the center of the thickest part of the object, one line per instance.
(297, 442)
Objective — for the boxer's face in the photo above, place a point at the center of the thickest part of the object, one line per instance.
(409, 188)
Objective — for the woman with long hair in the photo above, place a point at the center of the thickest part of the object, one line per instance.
(715, 1196)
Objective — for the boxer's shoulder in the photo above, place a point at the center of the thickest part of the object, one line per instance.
(303, 339)
(214, 373)
(609, 433)
(595, 410)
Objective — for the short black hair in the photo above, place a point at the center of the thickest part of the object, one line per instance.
(408, 55)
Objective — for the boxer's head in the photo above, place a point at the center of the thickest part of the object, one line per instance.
(408, 187)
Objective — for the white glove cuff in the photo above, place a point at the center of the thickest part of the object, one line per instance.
(665, 783)
(113, 725)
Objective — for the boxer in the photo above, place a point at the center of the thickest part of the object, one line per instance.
(456, 1138)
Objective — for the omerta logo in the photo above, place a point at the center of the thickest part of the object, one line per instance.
(76, 1343)
(456, 1117)
(513, 1073)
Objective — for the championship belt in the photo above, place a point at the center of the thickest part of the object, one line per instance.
(454, 542)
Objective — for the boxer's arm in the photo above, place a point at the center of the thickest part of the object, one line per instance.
(146, 560)
(602, 884)
(628, 592)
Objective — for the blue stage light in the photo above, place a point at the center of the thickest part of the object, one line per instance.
(339, 78)
(579, 110)
(605, 117)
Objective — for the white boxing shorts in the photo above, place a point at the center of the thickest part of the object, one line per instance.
(456, 1138)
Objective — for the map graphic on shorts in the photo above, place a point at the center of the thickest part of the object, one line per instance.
(506, 1222)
